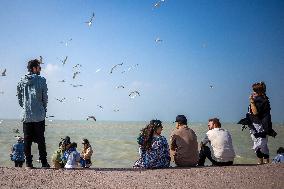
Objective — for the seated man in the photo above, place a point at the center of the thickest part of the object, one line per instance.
(183, 144)
(221, 142)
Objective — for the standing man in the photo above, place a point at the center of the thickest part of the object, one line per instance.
(32, 96)
(221, 142)
(183, 144)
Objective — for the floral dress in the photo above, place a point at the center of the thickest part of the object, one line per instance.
(158, 156)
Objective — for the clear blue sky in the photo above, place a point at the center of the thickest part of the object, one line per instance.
(227, 44)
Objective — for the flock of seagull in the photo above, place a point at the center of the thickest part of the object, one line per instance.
(64, 61)
(76, 68)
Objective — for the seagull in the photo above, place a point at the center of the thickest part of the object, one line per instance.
(158, 40)
(90, 22)
(75, 74)
(115, 67)
(62, 81)
(60, 100)
(98, 70)
(66, 42)
(40, 60)
(131, 67)
(77, 65)
(1, 92)
(204, 45)
(100, 107)
(120, 86)
(91, 117)
(17, 131)
(158, 3)
(64, 61)
(116, 110)
(211, 86)
(4, 72)
(80, 99)
(1, 121)
(49, 116)
(133, 94)
(76, 85)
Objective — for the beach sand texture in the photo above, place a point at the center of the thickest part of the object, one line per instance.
(237, 176)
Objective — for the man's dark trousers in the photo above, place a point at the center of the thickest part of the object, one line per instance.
(34, 132)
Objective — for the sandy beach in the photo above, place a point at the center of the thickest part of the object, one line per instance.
(237, 176)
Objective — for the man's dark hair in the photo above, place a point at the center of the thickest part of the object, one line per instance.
(181, 119)
(215, 121)
(33, 64)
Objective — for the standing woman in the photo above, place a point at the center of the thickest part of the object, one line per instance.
(259, 114)
(153, 148)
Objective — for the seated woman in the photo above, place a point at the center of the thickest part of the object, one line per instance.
(86, 154)
(153, 148)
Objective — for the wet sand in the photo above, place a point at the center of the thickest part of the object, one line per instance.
(237, 176)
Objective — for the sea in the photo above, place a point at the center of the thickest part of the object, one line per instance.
(115, 142)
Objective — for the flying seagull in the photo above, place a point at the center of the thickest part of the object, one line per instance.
(116, 110)
(90, 22)
(1, 92)
(4, 72)
(158, 3)
(60, 100)
(75, 74)
(100, 107)
(66, 42)
(158, 40)
(204, 45)
(17, 131)
(77, 65)
(91, 117)
(80, 99)
(211, 86)
(49, 116)
(98, 70)
(1, 121)
(76, 85)
(120, 86)
(131, 67)
(133, 94)
(62, 81)
(115, 67)
(64, 61)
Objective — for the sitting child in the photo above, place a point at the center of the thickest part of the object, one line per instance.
(18, 155)
(280, 156)
(71, 156)
(86, 154)
(56, 159)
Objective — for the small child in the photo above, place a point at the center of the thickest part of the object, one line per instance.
(71, 156)
(18, 155)
(280, 156)
(86, 154)
(56, 159)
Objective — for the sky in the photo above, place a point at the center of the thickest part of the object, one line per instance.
(227, 44)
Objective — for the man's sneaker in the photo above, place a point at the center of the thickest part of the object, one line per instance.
(29, 166)
(45, 165)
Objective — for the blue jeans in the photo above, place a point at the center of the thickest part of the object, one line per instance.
(85, 163)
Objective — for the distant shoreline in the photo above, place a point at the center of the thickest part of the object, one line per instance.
(143, 121)
(236, 176)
